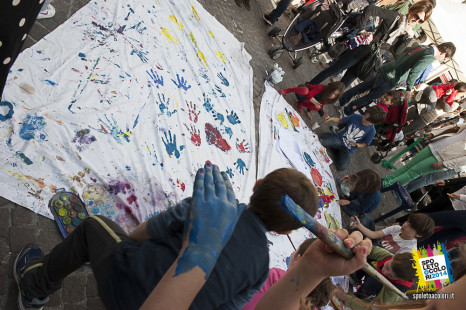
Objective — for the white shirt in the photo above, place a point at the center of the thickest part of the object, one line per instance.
(393, 243)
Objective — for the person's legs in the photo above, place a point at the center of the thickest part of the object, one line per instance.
(330, 140)
(92, 241)
(356, 90)
(342, 156)
(420, 164)
(342, 159)
(415, 125)
(345, 61)
(429, 179)
(350, 76)
(275, 14)
(300, 90)
(454, 223)
(442, 203)
(378, 89)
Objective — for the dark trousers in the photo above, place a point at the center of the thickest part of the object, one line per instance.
(442, 203)
(92, 241)
(454, 223)
(281, 7)
(342, 156)
(347, 61)
(377, 87)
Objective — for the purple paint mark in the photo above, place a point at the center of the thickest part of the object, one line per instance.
(119, 187)
(84, 139)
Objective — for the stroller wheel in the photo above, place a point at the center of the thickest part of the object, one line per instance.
(297, 62)
(274, 32)
(314, 58)
(275, 52)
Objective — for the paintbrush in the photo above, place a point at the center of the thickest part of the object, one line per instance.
(330, 239)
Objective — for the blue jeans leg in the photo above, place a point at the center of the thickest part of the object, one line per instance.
(346, 60)
(428, 179)
(281, 7)
(342, 156)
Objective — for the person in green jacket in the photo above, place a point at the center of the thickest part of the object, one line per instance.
(406, 67)
(396, 268)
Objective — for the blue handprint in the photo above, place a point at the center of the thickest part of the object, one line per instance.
(233, 118)
(227, 131)
(182, 83)
(110, 126)
(203, 74)
(218, 117)
(170, 145)
(223, 79)
(163, 105)
(309, 160)
(207, 105)
(240, 165)
(219, 90)
(156, 79)
(140, 54)
(229, 172)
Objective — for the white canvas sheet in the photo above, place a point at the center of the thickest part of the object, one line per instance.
(122, 104)
(286, 141)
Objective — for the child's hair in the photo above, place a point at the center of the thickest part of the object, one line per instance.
(320, 296)
(268, 192)
(376, 114)
(422, 6)
(423, 224)
(395, 97)
(402, 266)
(366, 181)
(448, 48)
(337, 87)
(460, 87)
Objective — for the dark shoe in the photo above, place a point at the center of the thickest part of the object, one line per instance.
(347, 111)
(267, 20)
(30, 252)
(239, 2)
(247, 4)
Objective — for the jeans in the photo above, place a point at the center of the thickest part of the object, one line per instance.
(342, 156)
(281, 7)
(92, 241)
(348, 60)
(378, 86)
(431, 178)
(418, 166)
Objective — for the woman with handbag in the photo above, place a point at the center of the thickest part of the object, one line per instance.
(389, 29)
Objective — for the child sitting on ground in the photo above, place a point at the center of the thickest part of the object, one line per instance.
(313, 97)
(364, 192)
(319, 297)
(397, 239)
(128, 269)
(398, 269)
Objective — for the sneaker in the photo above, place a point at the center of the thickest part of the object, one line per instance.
(48, 12)
(30, 252)
(267, 20)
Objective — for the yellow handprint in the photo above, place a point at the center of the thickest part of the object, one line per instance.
(171, 39)
(175, 20)
(201, 57)
(221, 56)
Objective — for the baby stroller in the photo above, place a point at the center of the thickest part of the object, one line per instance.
(314, 24)
(390, 134)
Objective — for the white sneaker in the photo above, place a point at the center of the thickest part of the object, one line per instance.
(48, 12)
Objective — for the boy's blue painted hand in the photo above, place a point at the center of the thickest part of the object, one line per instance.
(212, 219)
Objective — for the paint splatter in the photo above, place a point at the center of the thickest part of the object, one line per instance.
(211, 34)
(282, 119)
(196, 16)
(195, 135)
(223, 79)
(31, 125)
(24, 158)
(9, 114)
(177, 23)
(117, 187)
(240, 166)
(201, 57)
(215, 138)
(51, 82)
(181, 185)
(221, 56)
(27, 88)
(84, 139)
(170, 145)
(181, 82)
(156, 79)
(171, 39)
(193, 39)
(243, 146)
(110, 126)
(233, 118)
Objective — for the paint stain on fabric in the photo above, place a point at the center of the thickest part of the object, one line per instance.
(60, 158)
(181, 185)
(51, 82)
(215, 138)
(294, 119)
(201, 57)
(211, 34)
(170, 38)
(31, 125)
(118, 187)
(27, 88)
(243, 146)
(84, 139)
(193, 39)
(24, 158)
(132, 200)
(177, 23)
(282, 119)
(6, 114)
(221, 56)
(195, 136)
(195, 14)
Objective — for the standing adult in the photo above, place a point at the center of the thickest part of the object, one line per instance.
(418, 13)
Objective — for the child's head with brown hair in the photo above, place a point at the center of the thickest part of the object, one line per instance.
(402, 266)
(332, 92)
(375, 115)
(264, 202)
(460, 87)
(420, 11)
(423, 224)
(392, 97)
(366, 181)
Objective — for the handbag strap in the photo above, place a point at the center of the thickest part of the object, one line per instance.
(385, 37)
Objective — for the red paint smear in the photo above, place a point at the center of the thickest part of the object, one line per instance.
(182, 185)
(128, 210)
(76, 70)
(94, 180)
(132, 199)
(214, 137)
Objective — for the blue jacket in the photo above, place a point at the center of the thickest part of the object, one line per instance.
(364, 202)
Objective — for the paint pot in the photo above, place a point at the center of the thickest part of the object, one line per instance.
(68, 210)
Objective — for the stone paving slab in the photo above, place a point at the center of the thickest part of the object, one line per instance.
(19, 226)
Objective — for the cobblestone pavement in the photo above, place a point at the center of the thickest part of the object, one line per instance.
(19, 226)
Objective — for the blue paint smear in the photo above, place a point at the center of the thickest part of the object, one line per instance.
(30, 125)
(51, 82)
(9, 114)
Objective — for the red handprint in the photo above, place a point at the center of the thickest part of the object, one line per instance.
(242, 147)
(195, 135)
(192, 112)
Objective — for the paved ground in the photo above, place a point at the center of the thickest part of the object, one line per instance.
(19, 226)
